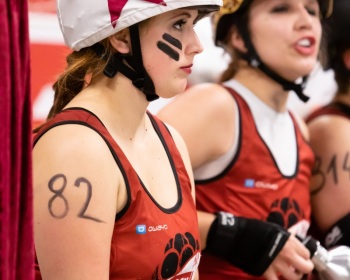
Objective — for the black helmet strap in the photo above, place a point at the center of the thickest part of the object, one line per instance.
(134, 69)
(142, 81)
(254, 60)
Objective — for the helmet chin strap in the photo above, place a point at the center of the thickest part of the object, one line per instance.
(287, 85)
(142, 80)
(134, 69)
(254, 60)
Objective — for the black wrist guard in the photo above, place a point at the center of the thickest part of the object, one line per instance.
(249, 244)
(339, 233)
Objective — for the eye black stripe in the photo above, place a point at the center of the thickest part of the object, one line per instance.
(170, 39)
(168, 50)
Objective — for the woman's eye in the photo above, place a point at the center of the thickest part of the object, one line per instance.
(312, 11)
(280, 9)
(178, 25)
(284, 8)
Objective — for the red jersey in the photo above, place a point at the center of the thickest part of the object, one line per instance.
(336, 108)
(149, 241)
(253, 186)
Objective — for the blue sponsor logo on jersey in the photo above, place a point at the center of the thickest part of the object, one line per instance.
(141, 229)
(249, 183)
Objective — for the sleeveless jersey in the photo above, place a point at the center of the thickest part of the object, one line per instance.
(252, 186)
(149, 242)
(335, 108)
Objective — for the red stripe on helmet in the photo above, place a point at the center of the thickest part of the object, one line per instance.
(116, 6)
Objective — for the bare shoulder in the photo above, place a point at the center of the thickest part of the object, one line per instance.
(203, 100)
(77, 155)
(207, 89)
(329, 122)
(204, 115)
(330, 131)
(76, 189)
(72, 142)
(207, 93)
(176, 135)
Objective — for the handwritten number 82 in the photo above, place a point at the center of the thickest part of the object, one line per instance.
(58, 194)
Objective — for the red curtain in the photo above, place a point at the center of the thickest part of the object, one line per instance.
(16, 215)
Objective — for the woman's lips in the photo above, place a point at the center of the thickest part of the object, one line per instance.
(305, 46)
(187, 69)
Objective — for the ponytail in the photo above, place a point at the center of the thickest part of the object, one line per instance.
(81, 65)
(232, 68)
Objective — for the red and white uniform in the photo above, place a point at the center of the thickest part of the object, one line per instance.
(149, 242)
(253, 186)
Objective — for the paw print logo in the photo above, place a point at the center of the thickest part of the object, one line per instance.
(285, 212)
(178, 252)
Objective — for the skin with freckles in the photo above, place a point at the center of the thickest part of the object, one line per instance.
(178, 42)
(169, 50)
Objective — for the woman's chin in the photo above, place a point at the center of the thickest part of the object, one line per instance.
(171, 92)
(308, 67)
(297, 75)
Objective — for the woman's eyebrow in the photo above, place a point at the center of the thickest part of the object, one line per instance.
(184, 13)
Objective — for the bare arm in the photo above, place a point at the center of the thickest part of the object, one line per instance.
(204, 117)
(330, 192)
(75, 202)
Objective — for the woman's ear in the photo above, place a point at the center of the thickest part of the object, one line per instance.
(346, 58)
(237, 40)
(121, 41)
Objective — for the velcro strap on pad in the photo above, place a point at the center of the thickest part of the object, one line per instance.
(339, 233)
(248, 244)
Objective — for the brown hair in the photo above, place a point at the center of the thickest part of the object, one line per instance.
(81, 65)
(232, 67)
(338, 42)
(234, 23)
(334, 60)
(341, 72)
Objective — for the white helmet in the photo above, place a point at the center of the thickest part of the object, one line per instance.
(86, 22)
